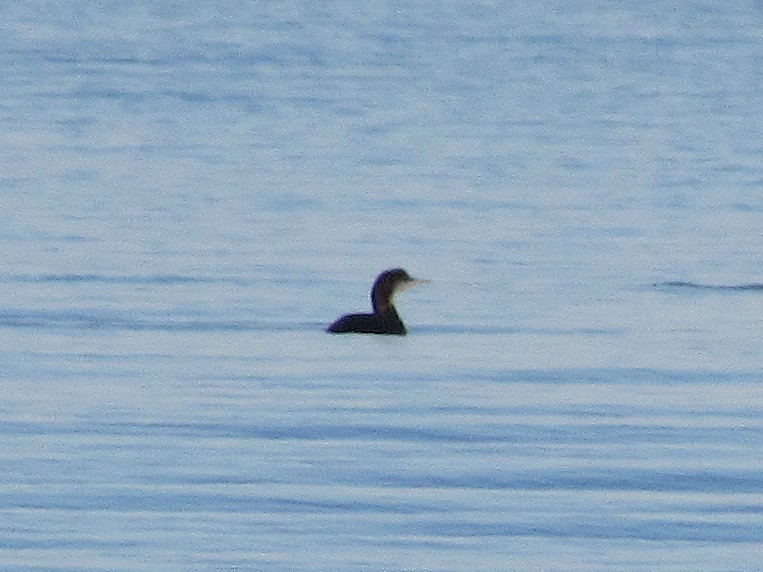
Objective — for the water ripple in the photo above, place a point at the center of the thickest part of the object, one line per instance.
(753, 286)
(94, 320)
(122, 279)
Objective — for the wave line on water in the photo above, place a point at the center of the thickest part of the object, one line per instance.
(446, 329)
(752, 286)
(69, 320)
(123, 279)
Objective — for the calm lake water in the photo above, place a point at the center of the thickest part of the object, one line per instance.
(192, 193)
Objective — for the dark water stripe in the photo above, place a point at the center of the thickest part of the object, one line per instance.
(121, 279)
(754, 286)
(94, 321)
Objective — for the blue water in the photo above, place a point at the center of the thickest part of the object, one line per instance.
(190, 194)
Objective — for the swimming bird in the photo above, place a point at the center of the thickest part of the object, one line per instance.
(384, 319)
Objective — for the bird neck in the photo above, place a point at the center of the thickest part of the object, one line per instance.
(381, 299)
(384, 306)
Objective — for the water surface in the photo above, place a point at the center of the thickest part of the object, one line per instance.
(191, 194)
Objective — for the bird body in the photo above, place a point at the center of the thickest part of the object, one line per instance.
(389, 323)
